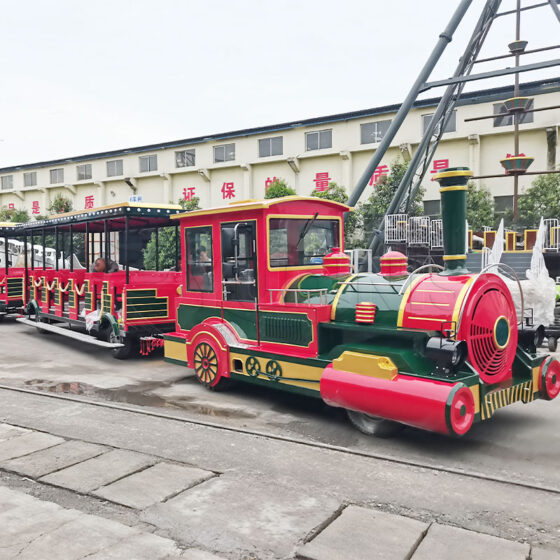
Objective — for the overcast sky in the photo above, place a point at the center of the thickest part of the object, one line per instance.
(80, 77)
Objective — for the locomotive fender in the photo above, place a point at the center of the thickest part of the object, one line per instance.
(208, 332)
(447, 408)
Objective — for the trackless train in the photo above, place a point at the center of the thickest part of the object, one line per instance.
(266, 295)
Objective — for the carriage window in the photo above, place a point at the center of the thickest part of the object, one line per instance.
(301, 242)
(198, 243)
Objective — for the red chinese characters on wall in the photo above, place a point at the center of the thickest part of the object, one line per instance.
(188, 193)
(89, 201)
(439, 164)
(228, 191)
(35, 207)
(381, 171)
(321, 181)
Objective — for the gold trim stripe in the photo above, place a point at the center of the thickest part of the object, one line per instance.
(454, 257)
(454, 173)
(405, 297)
(454, 188)
(504, 397)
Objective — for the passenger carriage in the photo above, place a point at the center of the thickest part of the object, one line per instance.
(119, 310)
(268, 297)
(13, 293)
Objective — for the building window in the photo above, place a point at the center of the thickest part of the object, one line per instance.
(7, 182)
(318, 140)
(198, 242)
(502, 204)
(114, 168)
(148, 163)
(57, 176)
(451, 125)
(271, 146)
(506, 120)
(30, 179)
(374, 131)
(432, 208)
(83, 172)
(225, 152)
(185, 158)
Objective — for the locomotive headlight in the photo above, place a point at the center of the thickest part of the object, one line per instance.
(447, 354)
(531, 338)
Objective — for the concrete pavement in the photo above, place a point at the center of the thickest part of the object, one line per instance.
(206, 494)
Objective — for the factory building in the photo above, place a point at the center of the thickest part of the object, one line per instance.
(307, 154)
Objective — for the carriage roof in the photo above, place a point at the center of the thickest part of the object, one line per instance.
(249, 205)
(139, 215)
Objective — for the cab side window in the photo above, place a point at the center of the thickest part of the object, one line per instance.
(200, 268)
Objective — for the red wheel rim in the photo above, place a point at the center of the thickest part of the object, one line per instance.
(550, 378)
(205, 363)
(461, 411)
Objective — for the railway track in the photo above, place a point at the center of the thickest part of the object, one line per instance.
(297, 441)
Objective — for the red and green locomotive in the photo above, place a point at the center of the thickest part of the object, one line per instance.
(268, 297)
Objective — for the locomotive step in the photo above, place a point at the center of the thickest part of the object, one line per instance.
(64, 331)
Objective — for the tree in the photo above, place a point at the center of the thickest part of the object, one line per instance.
(60, 205)
(373, 209)
(279, 188)
(480, 207)
(189, 205)
(167, 242)
(542, 199)
(13, 215)
(337, 193)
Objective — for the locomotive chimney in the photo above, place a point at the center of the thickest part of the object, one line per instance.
(453, 189)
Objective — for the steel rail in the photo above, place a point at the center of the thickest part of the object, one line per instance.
(296, 441)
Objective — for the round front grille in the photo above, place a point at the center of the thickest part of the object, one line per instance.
(489, 326)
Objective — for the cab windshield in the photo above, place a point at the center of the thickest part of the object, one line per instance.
(301, 241)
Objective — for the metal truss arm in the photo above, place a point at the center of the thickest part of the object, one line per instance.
(444, 39)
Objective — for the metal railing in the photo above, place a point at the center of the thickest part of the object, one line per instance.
(418, 230)
(396, 228)
(436, 234)
(552, 238)
(361, 260)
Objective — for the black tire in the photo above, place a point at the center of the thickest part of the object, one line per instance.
(38, 320)
(130, 343)
(552, 344)
(373, 426)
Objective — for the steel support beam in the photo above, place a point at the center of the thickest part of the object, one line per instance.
(444, 39)
(431, 137)
(493, 74)
(555, 8)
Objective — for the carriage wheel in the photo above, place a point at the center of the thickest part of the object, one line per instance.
(39, 320)
(273, 370)
(253, 366)
(372, 425)
(123, 352)
(552, 344)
